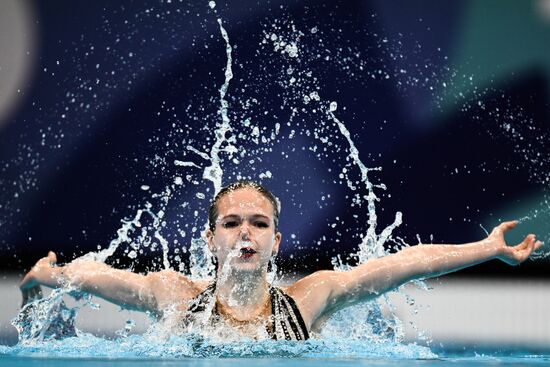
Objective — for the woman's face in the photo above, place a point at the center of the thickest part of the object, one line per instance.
(244, 238)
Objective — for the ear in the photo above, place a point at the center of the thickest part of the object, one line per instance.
(210, 240)
(278, 237)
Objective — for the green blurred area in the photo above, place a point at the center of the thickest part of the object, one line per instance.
(499, 40)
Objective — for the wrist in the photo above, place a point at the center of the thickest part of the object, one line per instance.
(56, 276)
(494, 251)
(73, 274)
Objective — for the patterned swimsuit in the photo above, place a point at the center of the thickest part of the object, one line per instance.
(286, 320)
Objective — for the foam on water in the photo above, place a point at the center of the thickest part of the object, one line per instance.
(194, 345)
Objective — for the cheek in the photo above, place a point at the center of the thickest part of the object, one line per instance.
(268, 239)
(266, 236)
(220, 242)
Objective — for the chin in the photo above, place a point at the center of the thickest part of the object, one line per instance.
(247, 266)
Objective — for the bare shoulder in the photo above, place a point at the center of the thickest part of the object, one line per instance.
(315, 281)
(170, 287)
(311, 294)
(202, 284)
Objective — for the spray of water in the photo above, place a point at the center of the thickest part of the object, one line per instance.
(375, 326)
(241, 144)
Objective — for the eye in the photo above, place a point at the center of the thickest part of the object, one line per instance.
(230, 224)
(261, 224)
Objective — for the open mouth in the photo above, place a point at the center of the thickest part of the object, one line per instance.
(247, 252)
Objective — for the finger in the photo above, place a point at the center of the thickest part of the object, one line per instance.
(523, 244)
(526, 251)
(506, 226)
(52, 257)
(532, 245)
(538, 245)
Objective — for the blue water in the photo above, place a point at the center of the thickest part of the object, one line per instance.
(152, 350)
(195, 346)
(345, 341)
(519, 360)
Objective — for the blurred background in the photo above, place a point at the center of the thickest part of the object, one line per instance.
(99, 100)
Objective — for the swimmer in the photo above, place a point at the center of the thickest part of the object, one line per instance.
(243, 237)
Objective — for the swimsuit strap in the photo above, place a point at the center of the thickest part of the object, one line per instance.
(199, 303)
(288, 323)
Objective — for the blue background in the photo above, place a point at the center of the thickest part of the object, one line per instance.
(71, 171)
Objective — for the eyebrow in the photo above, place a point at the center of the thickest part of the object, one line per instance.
(255, 216)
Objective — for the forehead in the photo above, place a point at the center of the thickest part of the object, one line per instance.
(244, 201)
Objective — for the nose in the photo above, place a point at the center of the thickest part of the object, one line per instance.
(244, 233)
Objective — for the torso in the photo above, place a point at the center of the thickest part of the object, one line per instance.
(174, 291)
(280, 319)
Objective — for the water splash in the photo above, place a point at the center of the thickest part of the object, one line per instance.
(143, 239)
(372, 245)
(196, 346)
(375, 327)
(46, 319)
(214, 173)
(302, 97)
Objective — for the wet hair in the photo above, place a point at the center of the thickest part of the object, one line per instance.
(213, 211)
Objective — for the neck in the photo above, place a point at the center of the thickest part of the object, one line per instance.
(244, 295)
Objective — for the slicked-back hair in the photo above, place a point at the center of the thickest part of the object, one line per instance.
(213, 211)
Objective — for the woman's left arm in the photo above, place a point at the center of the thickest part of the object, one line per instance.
(428, 261)
(377, 276)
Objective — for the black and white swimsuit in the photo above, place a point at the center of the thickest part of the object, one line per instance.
(286, 320)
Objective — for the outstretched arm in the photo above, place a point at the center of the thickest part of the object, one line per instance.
(329, 291)
(124, 288)
(428, 261)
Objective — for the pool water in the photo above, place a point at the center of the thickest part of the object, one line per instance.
(152, 350)
(335, 347)
(519, 360)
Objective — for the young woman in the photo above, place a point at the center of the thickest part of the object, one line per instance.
(244, 237)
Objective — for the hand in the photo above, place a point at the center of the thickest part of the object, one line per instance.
(513, 255)
(41, 273)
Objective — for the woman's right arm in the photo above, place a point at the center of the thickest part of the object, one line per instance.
(124, 288)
